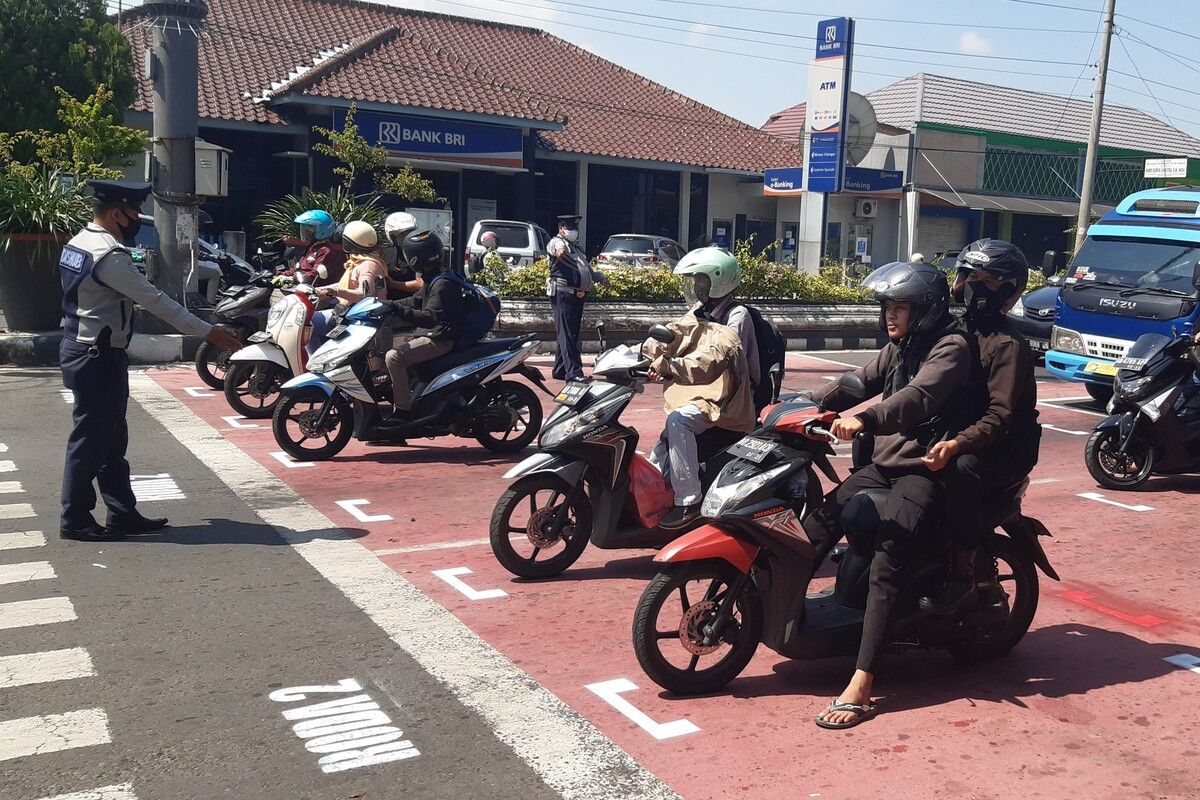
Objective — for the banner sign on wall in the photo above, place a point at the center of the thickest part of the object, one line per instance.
(783, 182)
(861, 180)
(438, 139)
(828, 93)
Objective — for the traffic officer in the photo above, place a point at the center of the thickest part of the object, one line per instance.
(100, 287)
(571, 278)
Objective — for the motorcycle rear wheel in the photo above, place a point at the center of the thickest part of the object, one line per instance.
(1017, 575)
(294, 412)
(525, 410)
(212, 364)
(742, 637)
(252, 388)
(506, 524)
(1113, 471)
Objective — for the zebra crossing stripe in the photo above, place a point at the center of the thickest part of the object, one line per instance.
(18, 539)
(24, 572)
(43, 611)
(148, 488)
(122, 791)
(7, 466)
(50, 733)
(11, 487)
(17, 511)
(47, 667)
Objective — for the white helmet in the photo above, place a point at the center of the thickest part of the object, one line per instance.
(489, 239)
(399, 225)
(917, 258)
(359, 237)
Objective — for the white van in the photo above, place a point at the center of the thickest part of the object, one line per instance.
(518, 243)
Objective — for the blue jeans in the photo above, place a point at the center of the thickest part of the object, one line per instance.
(322, 323)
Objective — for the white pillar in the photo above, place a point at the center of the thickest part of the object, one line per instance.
(685, 207)
(812, 231)
(581, 196)
(910, 215)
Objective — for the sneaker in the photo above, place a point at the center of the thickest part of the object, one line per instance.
(680, 517)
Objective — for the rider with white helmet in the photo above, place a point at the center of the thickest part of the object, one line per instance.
(403, 280)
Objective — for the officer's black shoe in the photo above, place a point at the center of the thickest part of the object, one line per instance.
(680, 517)
(90, 533)
(136, 525)
(959, 586)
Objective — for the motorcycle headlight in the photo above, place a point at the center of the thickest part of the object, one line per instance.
(721, 499)
(1018, 310)
(1067, 341)
(1133, 389)
(554, 433)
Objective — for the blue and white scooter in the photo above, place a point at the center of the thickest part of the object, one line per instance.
(462, 393)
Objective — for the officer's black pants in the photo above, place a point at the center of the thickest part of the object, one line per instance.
(96, 447)
(910, 498)
(568, 317)
(969, 479)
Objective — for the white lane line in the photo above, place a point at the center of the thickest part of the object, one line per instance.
(53, 732)
(806, 354)
(351, 507)
(197, 391)
(7, 466)
(1040, 481)
(19, 539)
(1099, 498)
(235, 421)
(11, 487)
(52, 665)
(1054, 404)
(289, 462)
(610, 692)
(421, 548)
(1185, 661)
(148, 488)
(1050, 427)
(567, 751)
(122, 791)
(43, 611)
(27, 571)
(450, 576)
(16, 511)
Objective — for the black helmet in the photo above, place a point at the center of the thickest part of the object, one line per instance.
(999, 259)
(922, 285)
(423, 251)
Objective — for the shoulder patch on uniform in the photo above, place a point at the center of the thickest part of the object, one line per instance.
(73, 259)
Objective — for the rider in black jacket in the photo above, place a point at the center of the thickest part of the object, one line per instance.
(435, 313)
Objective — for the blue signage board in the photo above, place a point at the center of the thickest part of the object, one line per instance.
(828, 93)
(861, 180)
(783, 182)
(438, 139)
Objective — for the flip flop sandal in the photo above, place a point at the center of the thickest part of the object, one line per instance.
(863, 713)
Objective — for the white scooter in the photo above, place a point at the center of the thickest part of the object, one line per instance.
(273, 356)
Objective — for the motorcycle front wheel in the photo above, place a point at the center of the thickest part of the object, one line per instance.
(668, 633)
(1113, 469)
(524, 526)
(252, 388)
(524, 416)
(303, 435)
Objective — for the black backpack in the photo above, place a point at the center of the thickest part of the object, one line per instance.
(772, 350)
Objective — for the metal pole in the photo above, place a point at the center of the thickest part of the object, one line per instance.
(1093, 149)
(173, 66)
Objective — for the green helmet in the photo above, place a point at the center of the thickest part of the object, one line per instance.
(708, 273)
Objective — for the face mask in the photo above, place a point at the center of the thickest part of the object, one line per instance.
(571, 236)
(130, 228)
(982, 300)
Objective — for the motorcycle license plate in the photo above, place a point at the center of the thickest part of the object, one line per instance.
(571, 394)
(1100, 368)
(261, 336)
(752, 449)
(1131, 363)
(335, 332)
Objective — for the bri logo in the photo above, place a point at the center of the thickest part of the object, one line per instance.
(830, 33)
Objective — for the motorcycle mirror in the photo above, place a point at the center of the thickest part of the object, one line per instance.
(1050, 263)
(661, 333)
(600, 335)
(852, 385)
(322, 273)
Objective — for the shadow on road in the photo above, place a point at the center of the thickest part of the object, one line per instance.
(424, 454)
(227, 531)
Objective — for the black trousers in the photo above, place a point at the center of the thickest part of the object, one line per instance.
(911, 495)
(568, 317)
(968, 479)
(99, 378)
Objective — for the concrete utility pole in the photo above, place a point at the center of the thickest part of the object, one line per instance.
(1093, 150)
(172, 63)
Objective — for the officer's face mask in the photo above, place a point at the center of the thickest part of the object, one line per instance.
(696, 288)
(571, 235)
(129, 228)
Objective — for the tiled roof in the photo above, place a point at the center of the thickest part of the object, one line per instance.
(369, 52)
(1003, 109)
(787, 124)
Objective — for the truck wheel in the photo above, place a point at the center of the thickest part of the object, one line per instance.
(1100, 392)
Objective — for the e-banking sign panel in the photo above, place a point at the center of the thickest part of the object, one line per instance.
(828, 92)
(438, 139)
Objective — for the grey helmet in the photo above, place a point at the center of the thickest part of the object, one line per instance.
(923, 285)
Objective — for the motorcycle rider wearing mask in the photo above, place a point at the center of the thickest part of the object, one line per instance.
(316, 246)
(923, 376)
(403, 280)
(436, 313)
(1001, 447)
(708, 373)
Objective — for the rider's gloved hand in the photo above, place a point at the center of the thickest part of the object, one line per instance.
(280, 281)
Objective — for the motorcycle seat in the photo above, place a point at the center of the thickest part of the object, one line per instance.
(455, 358)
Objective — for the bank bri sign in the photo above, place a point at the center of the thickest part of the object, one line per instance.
(828, 93)
(438, 139)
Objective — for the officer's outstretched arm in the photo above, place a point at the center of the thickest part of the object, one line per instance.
(116, 270)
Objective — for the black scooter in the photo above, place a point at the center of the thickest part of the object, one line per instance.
(1155, 424)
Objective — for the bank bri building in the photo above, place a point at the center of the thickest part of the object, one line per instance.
(507, 121)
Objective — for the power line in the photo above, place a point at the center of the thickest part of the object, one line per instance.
(1178, 58)
(1051, 5)
(1129, 55)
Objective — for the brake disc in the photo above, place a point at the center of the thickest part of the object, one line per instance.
(540, 528)
(691, 627)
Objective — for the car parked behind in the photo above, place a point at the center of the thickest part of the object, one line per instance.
(639, 250)
(1033, 315)
(518, 243)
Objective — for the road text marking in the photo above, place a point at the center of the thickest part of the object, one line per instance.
(148, 488)
(68, 396)
(1084, 599)
(19, 539)
(52, 732)
(235, 421)
(44, 611)
(351, 507)
(1099, 498)
(610, 692)
(351, 731)
(289, 462)
(52, 665)
(27, 571)
(450, 576)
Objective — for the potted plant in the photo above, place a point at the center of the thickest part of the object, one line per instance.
(39, 212)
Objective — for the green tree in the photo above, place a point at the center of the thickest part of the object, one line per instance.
(356, 158)
(59, 43)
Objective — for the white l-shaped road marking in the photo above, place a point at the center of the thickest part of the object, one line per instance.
(450, 576)
(611, 691)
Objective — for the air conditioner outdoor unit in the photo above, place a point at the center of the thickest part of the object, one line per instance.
(864, 207)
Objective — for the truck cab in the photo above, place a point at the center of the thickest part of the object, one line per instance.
(1137, 272)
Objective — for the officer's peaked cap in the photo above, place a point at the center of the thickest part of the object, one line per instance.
(131, 193)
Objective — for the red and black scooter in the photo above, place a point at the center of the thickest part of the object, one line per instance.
(743, 577)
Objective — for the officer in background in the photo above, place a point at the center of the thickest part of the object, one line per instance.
(100, 287)
(571, 278)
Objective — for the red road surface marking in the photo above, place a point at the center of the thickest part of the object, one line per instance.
(1084, 599)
